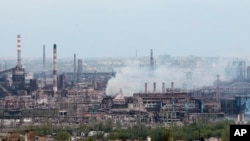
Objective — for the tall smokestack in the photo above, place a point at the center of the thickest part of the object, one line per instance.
(172, 87)
(43, 57)
(19, 51)
(54, 70)
(44, 65)
(79, 70)
(151, 60)
(146, 88)
(154, 88)
(74, 67)
(163, 88)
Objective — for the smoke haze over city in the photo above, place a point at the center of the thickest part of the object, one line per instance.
(131, 78)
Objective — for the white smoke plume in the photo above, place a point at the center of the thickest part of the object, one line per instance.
(132, 78)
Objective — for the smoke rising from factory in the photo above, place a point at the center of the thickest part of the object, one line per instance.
(132, 78)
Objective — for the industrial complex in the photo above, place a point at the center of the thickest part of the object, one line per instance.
(78, 96)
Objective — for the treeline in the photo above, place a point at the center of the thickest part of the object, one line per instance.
(195, 131)
(139, 131)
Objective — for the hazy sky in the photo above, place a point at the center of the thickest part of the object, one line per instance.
(117, 28)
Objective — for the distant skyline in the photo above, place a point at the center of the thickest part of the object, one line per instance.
(117, 28)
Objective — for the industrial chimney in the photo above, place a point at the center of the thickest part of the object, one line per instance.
(151, 60)
(54, 70)
(74, 67)
(18, 74)
(19, 65)
(44, 65)
(172, 87)
(154, 87)
(79, 70)
(163, 88)
(43, 57)
(146, 88)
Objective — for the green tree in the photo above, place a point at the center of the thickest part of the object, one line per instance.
(166, 135)
(89, 139)
(225, 134)
(62, 136)
(108, 126)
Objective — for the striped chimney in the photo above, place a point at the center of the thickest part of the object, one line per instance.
(19, 51)
(54, 70)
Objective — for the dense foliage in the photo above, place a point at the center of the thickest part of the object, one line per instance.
(139, 131)
(198, 130)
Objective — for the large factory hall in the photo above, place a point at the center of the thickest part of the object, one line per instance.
(79, 96)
